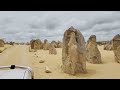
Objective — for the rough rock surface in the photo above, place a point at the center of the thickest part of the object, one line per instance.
(32, 50)
(47, 70)
(108, 47)
(59, 44)
(73, 52)
(1, 43)
(52, 49)
(93, 54)
(116, 47)
(36, 44)
(45, 45)
(54, 43)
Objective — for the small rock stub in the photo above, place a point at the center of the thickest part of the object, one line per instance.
(47, 70)
(41, 61)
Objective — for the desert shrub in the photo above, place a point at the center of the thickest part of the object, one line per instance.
(11, 43)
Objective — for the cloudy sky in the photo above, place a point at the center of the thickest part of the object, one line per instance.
(22, 26)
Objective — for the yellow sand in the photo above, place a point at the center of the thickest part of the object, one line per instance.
(20, 55)
(5, 47)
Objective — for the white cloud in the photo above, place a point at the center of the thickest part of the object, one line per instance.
(51, 25)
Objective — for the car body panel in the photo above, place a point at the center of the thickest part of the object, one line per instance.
(19, 72)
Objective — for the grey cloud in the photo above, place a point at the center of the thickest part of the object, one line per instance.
(6, 20)
(34, 26)
(11, 31)
(106, 27)
(107, 19)
(53, 35)
(47, 23)
(51, 25)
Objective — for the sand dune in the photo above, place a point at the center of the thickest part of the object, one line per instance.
(20, 55)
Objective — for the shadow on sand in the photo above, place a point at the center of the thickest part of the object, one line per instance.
(89, 73)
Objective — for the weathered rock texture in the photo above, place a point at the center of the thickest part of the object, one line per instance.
(52, 49)
(93, 54)
(32, 50)
(41, 61)
(73, 52)
(116, 47)
(45, 45)
(40, 43)
(1, 43)
(108, 47)
(36, 44)
(54, 44)
(59, 44)
(47, 70)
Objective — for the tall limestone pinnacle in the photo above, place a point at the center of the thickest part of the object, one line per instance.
(116, 47)
(73, 52)
(93, 54)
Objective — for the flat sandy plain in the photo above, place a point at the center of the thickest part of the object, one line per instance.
(20, 55)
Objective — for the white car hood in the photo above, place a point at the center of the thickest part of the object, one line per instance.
(15, 74)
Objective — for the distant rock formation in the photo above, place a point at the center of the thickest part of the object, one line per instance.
(93, 54)
(1, 43)
(116, 47)
(59, 44)
(52, 49)
(45, 45)
(36, 44)
(40, 43)
(73, 52)
(32, 50)
(26, 43)
(54, 43)
(108, 47)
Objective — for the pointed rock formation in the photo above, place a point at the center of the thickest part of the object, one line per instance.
(1, 43)
(59, 44)
(52, 49)
(93, 54)
(73, 52)
(108, 47)
(54, 44)
(45, 45)
(40, 43)
(36, 44)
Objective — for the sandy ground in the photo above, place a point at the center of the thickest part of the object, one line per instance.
(20, 55)
(5, 47)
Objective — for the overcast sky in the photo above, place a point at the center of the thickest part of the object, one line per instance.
(22, 26)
